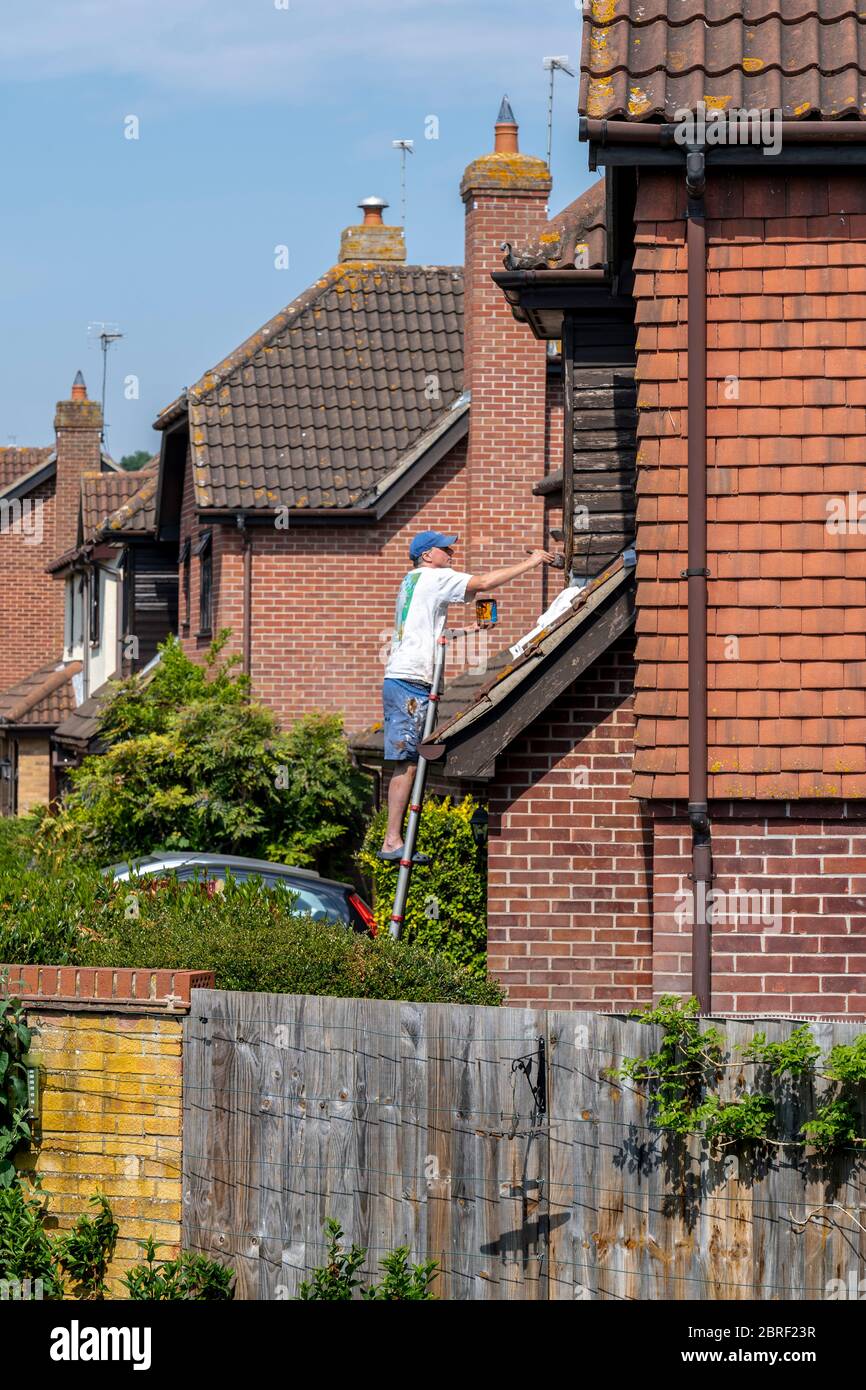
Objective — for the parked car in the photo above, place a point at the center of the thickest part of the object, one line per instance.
(322, 898)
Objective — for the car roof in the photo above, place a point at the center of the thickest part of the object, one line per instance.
(192, 859)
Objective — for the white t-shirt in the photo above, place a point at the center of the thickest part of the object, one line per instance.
(419, 620)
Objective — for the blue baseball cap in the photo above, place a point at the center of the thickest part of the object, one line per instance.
(425, 540)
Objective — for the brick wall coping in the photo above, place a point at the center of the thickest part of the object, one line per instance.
(98, 987)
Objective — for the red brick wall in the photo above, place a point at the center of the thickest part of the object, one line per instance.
(506, 373)
(787, 434)
(323, 598)
(570, 853)
(31, 602)
(803, 951)
(78, 428)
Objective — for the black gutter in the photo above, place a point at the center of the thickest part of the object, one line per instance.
(614, 132)
(628, 143)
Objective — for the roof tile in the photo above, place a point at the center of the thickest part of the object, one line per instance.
(646, 61)
(325, 399)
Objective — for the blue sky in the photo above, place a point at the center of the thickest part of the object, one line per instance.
(258, 126)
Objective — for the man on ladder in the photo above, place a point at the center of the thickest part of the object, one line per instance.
(419, 623)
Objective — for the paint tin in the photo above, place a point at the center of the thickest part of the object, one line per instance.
(485, 611)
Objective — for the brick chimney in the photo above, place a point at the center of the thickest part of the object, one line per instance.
(371, 240)
(506, 195)
(78, 430)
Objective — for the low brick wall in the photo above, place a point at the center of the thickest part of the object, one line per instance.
(109, 1048)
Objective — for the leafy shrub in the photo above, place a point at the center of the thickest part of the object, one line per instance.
(336, 1281)
(681, 1080)
(16, 834)
(252, 940)
(29, 1252)
(14, 1108)
(190, 763)
(47, 911)
(86, 1252)
(446, 911)
(190, 1277)
(248, 935)
(403, 1283)
(26, 1249)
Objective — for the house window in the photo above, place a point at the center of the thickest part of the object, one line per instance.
(78, 612)
(70, 614)
(185, 581)
(94, 587)
(204, 551)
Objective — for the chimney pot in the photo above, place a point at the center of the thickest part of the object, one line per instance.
(79, 390)
(373, 209)
(507, 138)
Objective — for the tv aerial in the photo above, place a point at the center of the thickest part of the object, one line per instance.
(106, 334)
(405, 147)
(556, 64)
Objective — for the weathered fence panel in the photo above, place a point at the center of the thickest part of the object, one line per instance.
(639, 1214)
(422, 1125)
(403, 1122)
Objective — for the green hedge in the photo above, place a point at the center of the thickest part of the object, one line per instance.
(247, 935)
(447, 909)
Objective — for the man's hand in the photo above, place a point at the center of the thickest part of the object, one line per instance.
(542, 557)
(494, 579)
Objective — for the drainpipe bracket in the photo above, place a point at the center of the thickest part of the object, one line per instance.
(696, 177)
(695, 574)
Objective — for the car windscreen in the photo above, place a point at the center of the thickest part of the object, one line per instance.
(320, 900)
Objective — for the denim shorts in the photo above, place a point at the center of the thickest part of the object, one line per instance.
(405, 706)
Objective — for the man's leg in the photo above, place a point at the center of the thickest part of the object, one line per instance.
(399, 792)
(405, 710)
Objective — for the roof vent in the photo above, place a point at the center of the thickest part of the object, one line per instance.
(373, 208)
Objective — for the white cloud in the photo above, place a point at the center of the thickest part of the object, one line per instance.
(250, 48)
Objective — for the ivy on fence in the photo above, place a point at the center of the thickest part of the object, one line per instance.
(682, 1078)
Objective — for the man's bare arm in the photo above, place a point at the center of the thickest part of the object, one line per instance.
(494, 579)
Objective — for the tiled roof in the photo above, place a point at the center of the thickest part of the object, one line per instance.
(138, 513)
(577, 235)
(43, 698)
(112, 501)
(81, 725)
(322, 403)
(17, 463)
(645, 60)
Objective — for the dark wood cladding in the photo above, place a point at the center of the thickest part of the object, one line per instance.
(154, 583)
(601, 440)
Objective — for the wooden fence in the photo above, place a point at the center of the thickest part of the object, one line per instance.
(424, 1125)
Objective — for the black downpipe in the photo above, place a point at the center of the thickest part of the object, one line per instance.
(697, 575)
